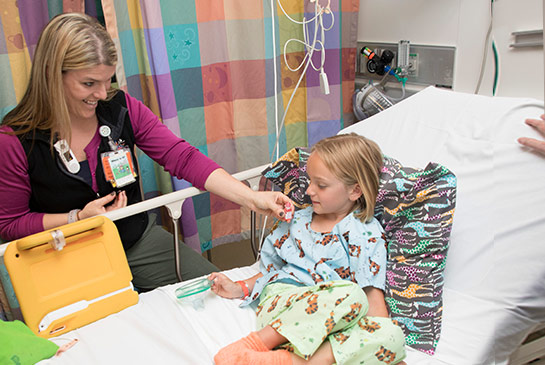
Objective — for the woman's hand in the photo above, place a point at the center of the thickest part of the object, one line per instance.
(265, 202)
(270, 203)
(100, 205)
(539, 125)
(225, 287)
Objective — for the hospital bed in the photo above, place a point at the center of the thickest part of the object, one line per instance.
(494, 279)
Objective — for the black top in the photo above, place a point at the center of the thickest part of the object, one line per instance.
(56, 190)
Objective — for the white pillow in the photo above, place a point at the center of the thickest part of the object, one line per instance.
(495, 272)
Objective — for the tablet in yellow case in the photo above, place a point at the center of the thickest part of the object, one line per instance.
(70, 276)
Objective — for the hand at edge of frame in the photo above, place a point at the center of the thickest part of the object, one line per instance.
(539, 125)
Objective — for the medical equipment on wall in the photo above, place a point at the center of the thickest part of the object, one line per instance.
(368, 101)
(377, 64)
(372, 99)
(403, 57)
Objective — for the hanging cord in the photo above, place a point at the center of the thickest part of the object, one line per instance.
(317, 44)
(275, 74)
(310, 47)
(496, 67)
(402, 80)
(485, 54)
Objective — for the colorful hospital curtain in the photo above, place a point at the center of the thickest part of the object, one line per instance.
(207, 69)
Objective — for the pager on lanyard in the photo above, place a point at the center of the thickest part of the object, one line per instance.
(117, 163)
(67, 156)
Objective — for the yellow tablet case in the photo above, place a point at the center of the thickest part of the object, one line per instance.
(67, 277)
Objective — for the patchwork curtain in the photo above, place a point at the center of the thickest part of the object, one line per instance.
(214, 72)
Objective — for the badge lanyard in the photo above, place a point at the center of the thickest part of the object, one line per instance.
(117, 163)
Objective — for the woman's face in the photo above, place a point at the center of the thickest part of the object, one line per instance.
(329, 195)
(84, 88)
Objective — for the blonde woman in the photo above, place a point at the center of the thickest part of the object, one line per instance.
(322, 276)
(68, 153)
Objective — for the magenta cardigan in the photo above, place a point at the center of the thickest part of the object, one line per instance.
(177, 156)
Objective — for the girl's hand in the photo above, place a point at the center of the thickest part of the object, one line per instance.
(98, 206)
(225, 287)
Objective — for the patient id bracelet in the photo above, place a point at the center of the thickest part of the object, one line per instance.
(245, 290)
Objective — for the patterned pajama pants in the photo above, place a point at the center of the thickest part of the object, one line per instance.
(334, 311)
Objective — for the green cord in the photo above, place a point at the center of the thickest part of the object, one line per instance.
(495, 50)
(496, 71)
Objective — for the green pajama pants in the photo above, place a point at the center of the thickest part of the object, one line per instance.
(334, 311)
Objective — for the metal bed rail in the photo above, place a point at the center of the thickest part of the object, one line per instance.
(173, 202)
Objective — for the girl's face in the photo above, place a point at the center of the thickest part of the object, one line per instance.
(84, 88)
(329, 195)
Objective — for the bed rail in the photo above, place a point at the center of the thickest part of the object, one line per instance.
(532, 349)
(173, 202)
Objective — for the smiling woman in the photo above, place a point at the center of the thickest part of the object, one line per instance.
(69, 153)
(82, 91)
(88, 86)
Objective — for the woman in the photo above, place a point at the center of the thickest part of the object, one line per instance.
(68, 153)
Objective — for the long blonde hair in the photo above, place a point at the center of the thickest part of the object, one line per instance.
(354, 159)
(70, 41)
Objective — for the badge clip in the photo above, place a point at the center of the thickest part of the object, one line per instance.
(106, 132)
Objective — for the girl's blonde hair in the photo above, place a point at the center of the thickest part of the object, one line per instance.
(354, 159)
(70, 41)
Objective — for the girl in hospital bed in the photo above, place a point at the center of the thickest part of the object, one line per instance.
(320, 289)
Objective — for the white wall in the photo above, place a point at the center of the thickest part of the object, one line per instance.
(463, 24)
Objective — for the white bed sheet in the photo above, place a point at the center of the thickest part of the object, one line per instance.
(159, 330)
(494, 290)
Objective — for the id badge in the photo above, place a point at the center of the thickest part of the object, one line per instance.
(118, 167)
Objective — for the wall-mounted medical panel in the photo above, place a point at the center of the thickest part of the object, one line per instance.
(428, 65)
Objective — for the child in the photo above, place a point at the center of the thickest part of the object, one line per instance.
(313, 269)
